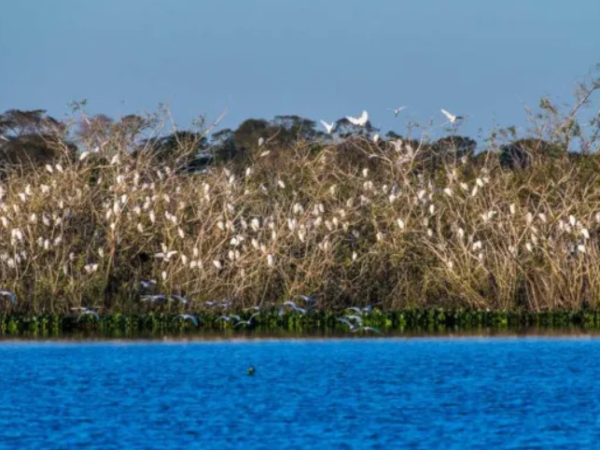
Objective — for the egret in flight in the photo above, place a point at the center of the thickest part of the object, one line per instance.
(398, 110)
(191, 318)
(328, 126)
(360, 121)
(451, 117)
(246, 322)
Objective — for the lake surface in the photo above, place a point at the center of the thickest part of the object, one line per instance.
(501, 393)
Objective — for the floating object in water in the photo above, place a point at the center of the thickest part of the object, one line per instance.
(251, 370)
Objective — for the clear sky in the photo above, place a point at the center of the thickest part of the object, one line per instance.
(320, 59)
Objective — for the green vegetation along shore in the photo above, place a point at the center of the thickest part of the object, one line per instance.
(392, 322)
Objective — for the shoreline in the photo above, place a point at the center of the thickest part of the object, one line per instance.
(312, 325)
(533, 335)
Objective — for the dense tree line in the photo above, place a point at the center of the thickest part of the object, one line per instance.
(31, 138)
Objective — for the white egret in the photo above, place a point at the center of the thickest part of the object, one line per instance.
(229, 318)
(295, 307)
(87, 312)
(166, 255)
(246, 322)
(397, 110)
(191, 318)
(360, 121)
(328, 126)
(355, 318)
(451, 117)
(351, 325)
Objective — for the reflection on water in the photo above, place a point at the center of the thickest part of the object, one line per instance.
(233, 335)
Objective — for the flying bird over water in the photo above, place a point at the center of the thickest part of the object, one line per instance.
(360, 311)
(86, 312)
(357, 327)
(328, 126)
(229, 318)
(355, 318)
(351, 325)
(191, 318)
(246, 322)
(451, 117)
(360, 121)
(295, 307)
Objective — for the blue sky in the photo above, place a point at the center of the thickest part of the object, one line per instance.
(321, 59)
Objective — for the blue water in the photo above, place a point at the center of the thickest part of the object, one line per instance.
(343, 394)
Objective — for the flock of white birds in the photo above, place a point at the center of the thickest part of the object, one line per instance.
(363, 119)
